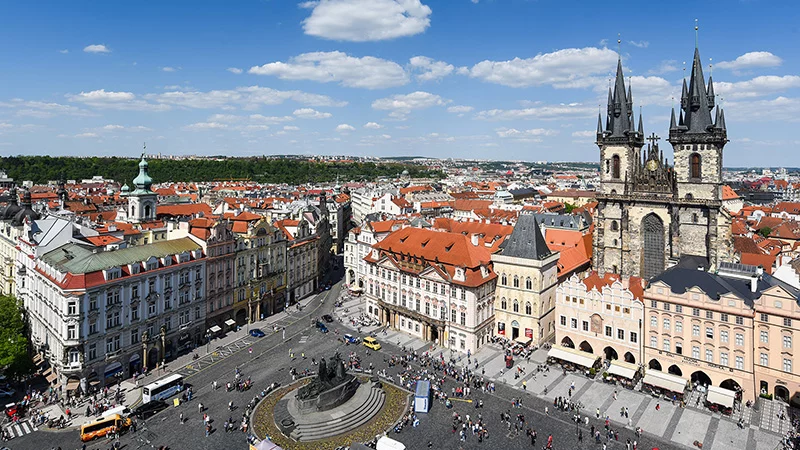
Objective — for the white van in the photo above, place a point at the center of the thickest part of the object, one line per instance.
(123, 411)
(386, 443)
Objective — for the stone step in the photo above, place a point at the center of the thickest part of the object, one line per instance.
(357, 417)
(373, 402)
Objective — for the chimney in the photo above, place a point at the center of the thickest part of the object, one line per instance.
(475, 239)
(760, 270)
(754, 284)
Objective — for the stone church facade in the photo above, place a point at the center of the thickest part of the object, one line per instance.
(652, 215)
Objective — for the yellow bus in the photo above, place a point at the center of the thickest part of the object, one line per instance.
(103, 426)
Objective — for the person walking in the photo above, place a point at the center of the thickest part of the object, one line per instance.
(180, 418)
(200, 407)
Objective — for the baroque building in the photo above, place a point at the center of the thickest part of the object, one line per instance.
(651, 214)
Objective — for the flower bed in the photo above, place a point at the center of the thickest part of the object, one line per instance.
(396, 403)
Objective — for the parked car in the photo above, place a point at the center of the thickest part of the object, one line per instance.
(6, 392)
(371, 342)
(351, 339)
(256, 332)
(327, 318)
(322, 327)
(149, 409)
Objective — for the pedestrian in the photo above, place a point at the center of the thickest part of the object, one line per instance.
(546, 412)
(658, 406)
(200, 407)
(180, 418)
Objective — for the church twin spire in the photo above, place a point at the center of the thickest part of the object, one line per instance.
(620, 122)
(697, 102)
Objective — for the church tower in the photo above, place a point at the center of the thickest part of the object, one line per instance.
(142, 200)
(697, 139)
(620, 143)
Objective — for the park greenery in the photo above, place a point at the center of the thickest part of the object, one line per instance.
(15, 360)
(41, 169)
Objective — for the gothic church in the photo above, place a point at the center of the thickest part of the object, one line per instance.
(652, 215)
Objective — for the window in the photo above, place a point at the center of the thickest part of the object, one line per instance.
(93, 328)
(112, 320)
(72, 308)
(739, 339)
(464, 318)
(764, 336)
(695, 352)
(666, 325)
(666, 306)
(694, 160)
(134, 313)
(427, 309)
(723, 336)
(516, 306)
(563, 321)
(764, 317)
(709, 355)
(679, 327)
(608, 331)
(787, 322)
(679, 348)
(72, 332)
(528, 284)
(443, 313)
(92, 302)
(615, 166)
(723, 317)
(503, 304)
(135, 336)
(573, 323)
(516, 281)
(653, 304)
(695, 312)
(614, 225)
(723, 359)
(787, 365)
(92, 351)
(504, 280)
(417, 305)
(739, 320)
(710, 315)
(679, 309)
(453, 315)
(787, 341)
(764, 360)
(528, 308)
(585, 325)
(709, 332)
(112, 344)
(653, 321)
(666, 345)
(653, 341)
(634, 336)
(740, 362)
(695, 330)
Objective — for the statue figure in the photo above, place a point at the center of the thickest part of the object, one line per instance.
(323, 371)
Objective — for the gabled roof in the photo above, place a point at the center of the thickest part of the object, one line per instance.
(728, 193)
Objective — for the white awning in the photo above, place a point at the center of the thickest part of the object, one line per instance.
(230, 322)
(524, 340)
(720, 396)
(623, 369)
(574, 356)
(672, 383)
(215, 329)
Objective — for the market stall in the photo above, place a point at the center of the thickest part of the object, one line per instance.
(660, 383)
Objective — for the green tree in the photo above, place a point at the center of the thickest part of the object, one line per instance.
(766, 231)
(568, 207)
(15, 359)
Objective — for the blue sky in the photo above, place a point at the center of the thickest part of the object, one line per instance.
(491, 79)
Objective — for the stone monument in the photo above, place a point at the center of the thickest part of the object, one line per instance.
(330, 388)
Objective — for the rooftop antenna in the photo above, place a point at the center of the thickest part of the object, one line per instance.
(696, 37)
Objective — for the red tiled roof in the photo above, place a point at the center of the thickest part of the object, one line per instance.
(728, 193)
(103, 240)
(183, 210)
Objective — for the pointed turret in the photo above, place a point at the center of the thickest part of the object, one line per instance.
(641, 125)
(599, 125)
(710, 93)
(684, 96)
(721, 121)
(620, 107)
(698, 114)
(672, 124)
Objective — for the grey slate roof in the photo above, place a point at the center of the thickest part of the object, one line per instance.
(680, 280)
(74, 258)
(567, 221)
(526, 241)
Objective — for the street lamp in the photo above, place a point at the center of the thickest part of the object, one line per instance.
(577, 420)
(208, 341)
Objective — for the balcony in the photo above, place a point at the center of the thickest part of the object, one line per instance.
(113, 355)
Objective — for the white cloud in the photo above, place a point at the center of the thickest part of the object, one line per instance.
(86, 135)
(651, 90)
(250, 97)
(366, 20)
(64, 51)
(429, 69)
(290, 128)
(97, 48)
(112, 128)
(103, 99)
(666, 66)
(540, 111)
(203, 126)
(101, 95)
(270, 119)
(756, 87)
(514, 133)
(751, 60)
(373, 126)
(367, 72)
(778, 109)
(584, 134)
(402, 104)
(235, 70)
(567, 68)
(345, 128)
(640, 44)
(459, 109)
(308, 113)
(42, 110)
(170, 69)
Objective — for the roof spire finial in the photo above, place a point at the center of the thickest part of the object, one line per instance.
(710, 67)
(696, 32)
(619, 45)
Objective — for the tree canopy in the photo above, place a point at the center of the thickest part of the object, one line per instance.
(41, 169)
(14, 357)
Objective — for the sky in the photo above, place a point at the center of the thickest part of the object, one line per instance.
(485, 79)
